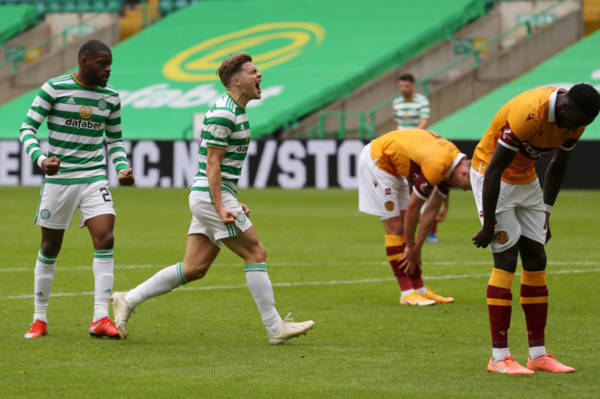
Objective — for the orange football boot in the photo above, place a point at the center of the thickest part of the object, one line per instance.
(508, 365)
(548, 363)
(104, 328)
(37, 329)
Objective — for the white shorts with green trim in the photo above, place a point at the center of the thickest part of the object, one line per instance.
(519, 212)
(206, 220)
(58, 203)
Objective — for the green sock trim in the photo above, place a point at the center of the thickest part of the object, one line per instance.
(180, 274)
(104, 253)
(256, 267)
(46, 259)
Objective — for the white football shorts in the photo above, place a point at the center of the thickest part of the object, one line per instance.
(379, 192)
(58, 203)
(206, 220)
(520, 212)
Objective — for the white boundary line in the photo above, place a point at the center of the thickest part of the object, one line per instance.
(301, 264)
(313, 283)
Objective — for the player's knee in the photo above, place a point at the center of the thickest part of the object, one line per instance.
(50, 247)
(194, 271)
(105, 241)
(534, 261)
(258, 254)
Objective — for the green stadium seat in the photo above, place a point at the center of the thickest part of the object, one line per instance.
(113, 5)
(69, 6)
(54, 6)
(166, 6)
(41, 7)
(84, 5)
(98, 5)
(181, 4)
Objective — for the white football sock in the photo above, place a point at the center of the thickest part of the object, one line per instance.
(162, 282)
(407, 292)
(261, 289)
(500, 353)
(104, 278)
(45, 266)
(536, 351)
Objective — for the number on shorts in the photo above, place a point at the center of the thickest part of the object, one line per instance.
(105, 194)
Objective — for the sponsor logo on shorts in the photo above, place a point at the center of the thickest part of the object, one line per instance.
(388, 191)
(45, 214)
(502, 237)
(240, 217)
(389, 205)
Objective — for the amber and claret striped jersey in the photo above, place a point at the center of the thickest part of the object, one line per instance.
(527, 125)
(225, 126)
(425, 158)
(77, 118)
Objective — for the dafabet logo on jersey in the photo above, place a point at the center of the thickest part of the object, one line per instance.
(269, 44)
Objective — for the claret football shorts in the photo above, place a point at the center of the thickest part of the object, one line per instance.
(379, 192)
(520, 212)
(206, 220)
(58, 203)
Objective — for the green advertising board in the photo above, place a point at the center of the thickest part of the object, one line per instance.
(579, 63)
(310, 52)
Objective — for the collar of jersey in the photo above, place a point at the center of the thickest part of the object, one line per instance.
(552, 106)
(238, 104)
(78, 82)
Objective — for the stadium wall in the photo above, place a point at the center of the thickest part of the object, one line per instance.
(290, 164)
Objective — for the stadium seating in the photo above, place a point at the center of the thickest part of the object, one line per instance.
(56, 6)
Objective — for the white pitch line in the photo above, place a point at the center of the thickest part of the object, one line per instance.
(302, 264)
(313, 283)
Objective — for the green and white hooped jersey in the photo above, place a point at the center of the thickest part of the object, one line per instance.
(225, 126)
(408, 114)
(77, 118)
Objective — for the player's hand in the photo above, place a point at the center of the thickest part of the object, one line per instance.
(483, 237)
(547, 226)
(411, 262)
(126, 177)
(245, 209)
(226, 215)
(50, 166)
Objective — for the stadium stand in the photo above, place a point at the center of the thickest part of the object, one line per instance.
(15, 19)
(308, 62)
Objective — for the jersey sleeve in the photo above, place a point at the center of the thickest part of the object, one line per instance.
(218, 126)
(521, 124)
(424, 109)
(423, 187)
(114, 138)
(38, 111)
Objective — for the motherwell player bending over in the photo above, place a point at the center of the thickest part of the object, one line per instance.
(514, 212)
(386, 166)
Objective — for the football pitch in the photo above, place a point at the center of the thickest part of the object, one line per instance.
(327, 263)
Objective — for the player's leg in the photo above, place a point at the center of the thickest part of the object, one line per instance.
(534, 301)
(200, 252)
(45, 267)
(54, 215)
(98, 215)
(247, 245)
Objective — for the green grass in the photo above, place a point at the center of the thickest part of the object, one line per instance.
(200, 342)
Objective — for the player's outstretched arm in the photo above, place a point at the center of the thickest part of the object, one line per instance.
(502, 157)
(411, 262)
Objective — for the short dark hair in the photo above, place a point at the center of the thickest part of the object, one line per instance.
(586, 98)
(407, 76)
(92, 46)
(231, 66)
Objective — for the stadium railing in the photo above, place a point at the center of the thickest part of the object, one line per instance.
(367, 120)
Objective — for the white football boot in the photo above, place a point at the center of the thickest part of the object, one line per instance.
(289, 329)
(121, 310)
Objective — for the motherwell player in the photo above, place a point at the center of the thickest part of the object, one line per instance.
(386, 167)
(515, 213)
